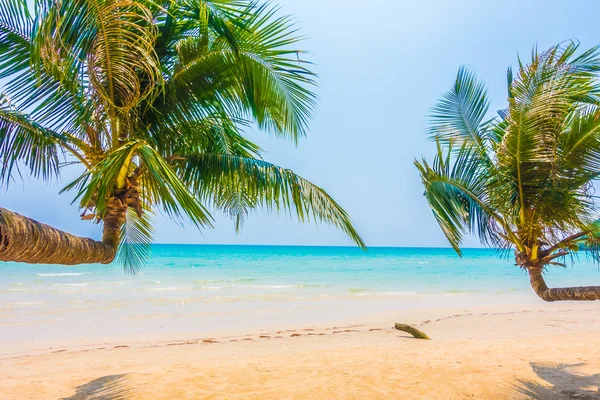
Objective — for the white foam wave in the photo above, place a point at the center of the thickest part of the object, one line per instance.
(395, 293)
(70, 284)
(64, 274)
(168, 288)
(274, 286)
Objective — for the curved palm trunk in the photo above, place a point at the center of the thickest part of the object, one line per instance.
(560, 294)
(23, 239)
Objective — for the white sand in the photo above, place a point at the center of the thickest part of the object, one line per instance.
(547, 351)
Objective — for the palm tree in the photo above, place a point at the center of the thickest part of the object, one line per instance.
(523, 181)
(150, 98)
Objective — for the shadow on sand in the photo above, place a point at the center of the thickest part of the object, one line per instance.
(109, 387)
(562, 381)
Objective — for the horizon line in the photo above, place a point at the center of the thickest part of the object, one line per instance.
(311, 245)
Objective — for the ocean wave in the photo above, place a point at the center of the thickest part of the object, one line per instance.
(69, 290)
(64, 274)
(395, 293)
(207, 281)
(309, 286)
(70, 284)
(273, 287)
(465, 292)
(160, 289)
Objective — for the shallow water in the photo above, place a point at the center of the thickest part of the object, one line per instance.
(208, 286)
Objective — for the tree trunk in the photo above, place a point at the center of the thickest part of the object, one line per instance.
(582, 293)
(23, 239)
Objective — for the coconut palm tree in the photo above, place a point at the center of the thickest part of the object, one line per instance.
(523, 180)
(150, 99)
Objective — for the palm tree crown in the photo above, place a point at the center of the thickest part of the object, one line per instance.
(524, 179)
(151, 97)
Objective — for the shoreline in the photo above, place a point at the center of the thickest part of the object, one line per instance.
(39, 333)
(475, 352)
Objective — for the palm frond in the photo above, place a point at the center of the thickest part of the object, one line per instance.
(42, 92)
(214, 133)
(264, 77)
(217, 178)
(178, 20)
(580, 146)
(23, 140)
(15, 30)
(457, 190)
(159, 185)
(459, 115)
(136, 240)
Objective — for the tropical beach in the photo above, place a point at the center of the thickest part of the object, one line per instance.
(233, 199)
(233, 322)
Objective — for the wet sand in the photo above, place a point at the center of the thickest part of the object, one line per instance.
(547, 351)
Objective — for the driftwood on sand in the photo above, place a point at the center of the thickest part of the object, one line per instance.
(413, 331)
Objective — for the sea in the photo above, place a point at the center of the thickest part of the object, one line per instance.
(208, 289)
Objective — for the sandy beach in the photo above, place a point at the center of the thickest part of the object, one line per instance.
(546, 351)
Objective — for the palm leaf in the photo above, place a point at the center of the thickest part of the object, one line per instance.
(264, 77)
(459, 115)
(136, 240)
(457, 190)
(159, 184)
(23, 140)
(219, 178)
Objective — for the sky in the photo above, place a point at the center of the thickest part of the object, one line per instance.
(382, 65)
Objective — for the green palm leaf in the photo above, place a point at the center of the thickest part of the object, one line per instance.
(136, 240)
(23, 140)
(457, 189)
(220, 178)
(460, 113)
(263, 77)
(160, 186)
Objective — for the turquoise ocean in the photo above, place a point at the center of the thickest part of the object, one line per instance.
(205, 284)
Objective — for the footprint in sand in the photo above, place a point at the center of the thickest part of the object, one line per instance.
(295, 335)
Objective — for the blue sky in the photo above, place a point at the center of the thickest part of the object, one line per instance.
(383, 64)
